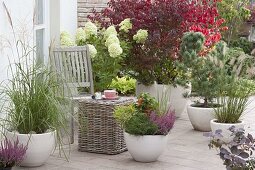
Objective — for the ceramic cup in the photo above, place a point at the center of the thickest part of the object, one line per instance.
(98, 95)
(110, 94)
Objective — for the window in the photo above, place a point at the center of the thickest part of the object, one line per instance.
(41, 29)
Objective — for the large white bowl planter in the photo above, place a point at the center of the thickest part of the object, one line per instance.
(200, 117)
(175, 97)
(40, 146)
(145, 148)
(224, 127)
(141, 88)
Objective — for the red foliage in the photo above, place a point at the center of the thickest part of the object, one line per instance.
(166, 21)
(202, 16)
(162, 20)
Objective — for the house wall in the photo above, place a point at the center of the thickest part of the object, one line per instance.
(85, 7)
(68, 16)
(23, 27)
(62, 15)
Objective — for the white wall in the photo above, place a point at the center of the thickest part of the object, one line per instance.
(62, 17)
(22, 17)
(68, 16)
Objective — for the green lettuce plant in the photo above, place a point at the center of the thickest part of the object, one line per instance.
(124, 85)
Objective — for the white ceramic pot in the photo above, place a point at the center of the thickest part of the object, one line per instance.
(224, 127)
(172, 95)
(151, 89)
(40, 146)
(200, 117)
(145, 148)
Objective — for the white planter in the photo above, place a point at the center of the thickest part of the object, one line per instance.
(200, 118)
(173, 95)
(151, 89)
(224, 127)
(145, 148)
(40, 146)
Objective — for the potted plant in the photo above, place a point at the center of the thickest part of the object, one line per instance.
(11, 154)
(238, 153)
(204, 76)
(234, 101)
(36, 107)
(146, 126)
(153, 63)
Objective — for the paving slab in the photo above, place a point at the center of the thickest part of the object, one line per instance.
(187, 150)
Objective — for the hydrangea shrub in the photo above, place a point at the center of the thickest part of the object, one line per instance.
(165, 21)
(107, 49)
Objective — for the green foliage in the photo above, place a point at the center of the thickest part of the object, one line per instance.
(36, 101)
(233, 103)
(245, 86)
(144, 117)
(235, 13)
(146, 103)
(145, 76)
(240, 63)
(124, 85)
(123, 113)
(134, 118)
(105, 68)
(242, 43)
(165, 72)
(205, 75)
(140, 124)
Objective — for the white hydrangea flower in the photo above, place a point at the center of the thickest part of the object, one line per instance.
(80, 36)
(141, 36)
(92, 50)
(90, 28)
(112, 39)
(115, 50)
(66, 40)
(110, 31)
(125, 25)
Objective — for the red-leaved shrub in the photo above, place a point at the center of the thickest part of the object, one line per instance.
(166, 21)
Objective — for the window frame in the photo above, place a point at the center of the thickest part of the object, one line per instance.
(45, 27)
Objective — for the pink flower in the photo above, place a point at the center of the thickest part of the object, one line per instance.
(164, 122)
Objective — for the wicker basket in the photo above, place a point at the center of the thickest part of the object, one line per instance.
(98, 130)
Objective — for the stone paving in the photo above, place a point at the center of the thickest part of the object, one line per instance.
(187, 150)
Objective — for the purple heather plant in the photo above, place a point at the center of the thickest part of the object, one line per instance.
(164, 122)
(237, 154)
(11, 153)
